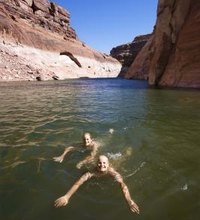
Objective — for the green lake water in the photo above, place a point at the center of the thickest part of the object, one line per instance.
(161, 127)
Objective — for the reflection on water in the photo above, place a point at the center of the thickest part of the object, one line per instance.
(158, 128)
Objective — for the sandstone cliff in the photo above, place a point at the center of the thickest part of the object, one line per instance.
(139, 69)
(172, 56)
(127, 53)
(37, 42)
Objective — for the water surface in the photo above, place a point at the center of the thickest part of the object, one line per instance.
(161, 127)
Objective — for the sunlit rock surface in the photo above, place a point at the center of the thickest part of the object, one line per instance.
(33, 36)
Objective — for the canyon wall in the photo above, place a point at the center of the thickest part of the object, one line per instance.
(38, 43)
(127, 53)
(171, 58)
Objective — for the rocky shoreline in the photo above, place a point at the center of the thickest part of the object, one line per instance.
(22, 63)
(37, 43)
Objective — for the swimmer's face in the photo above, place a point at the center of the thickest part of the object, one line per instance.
(103, 164)
(87, 139)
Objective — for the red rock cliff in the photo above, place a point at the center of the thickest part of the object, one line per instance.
(172, 56)
(37, 42)
(32, 22)
(127, 53)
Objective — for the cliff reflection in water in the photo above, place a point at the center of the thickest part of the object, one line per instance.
(160, 126)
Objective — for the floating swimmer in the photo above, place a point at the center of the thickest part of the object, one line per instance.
(88, 143)
(103, 168)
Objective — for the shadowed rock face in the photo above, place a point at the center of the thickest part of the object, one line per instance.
(33, 36)
(139, 69)
(182, 69)
(127, 53)
(172, 56)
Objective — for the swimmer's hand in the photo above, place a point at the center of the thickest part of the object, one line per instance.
(134, 207)
(62, 201)
(58, 159)
(61, 157)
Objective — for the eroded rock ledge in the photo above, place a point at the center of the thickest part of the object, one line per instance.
(34, 34)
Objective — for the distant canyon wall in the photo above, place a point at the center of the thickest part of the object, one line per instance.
(127, 53)
(171, 57)
(37, 42)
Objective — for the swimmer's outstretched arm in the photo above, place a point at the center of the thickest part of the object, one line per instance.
(62, 156)
(132, 205)
(88, 159)
(63, 201)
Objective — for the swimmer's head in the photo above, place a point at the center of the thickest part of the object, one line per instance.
(87, 139)
(103, 163)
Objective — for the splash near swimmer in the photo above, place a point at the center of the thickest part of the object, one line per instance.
(111, 130)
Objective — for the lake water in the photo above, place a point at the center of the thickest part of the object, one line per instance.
(161, 127)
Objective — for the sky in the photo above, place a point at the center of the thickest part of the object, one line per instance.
(104, 24)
